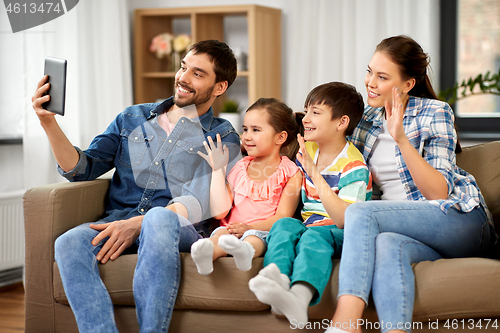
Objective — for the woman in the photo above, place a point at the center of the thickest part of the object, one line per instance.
(430, 208)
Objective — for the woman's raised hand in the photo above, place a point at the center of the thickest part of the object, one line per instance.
(394, 115)
(218, 155)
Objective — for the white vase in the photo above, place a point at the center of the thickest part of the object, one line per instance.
(176, 61)
(233, 118)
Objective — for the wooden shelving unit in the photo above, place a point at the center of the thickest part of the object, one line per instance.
(152, 78)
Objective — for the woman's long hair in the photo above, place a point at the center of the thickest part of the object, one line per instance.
(413, 62)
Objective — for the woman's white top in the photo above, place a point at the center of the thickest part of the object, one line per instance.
(384, 167)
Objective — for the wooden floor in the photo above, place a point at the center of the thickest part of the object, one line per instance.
(12, 308)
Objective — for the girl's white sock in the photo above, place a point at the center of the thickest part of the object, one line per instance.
(242, 252)
(293, 303)
(202, 253)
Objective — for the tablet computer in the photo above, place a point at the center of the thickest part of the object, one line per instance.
(55, 68)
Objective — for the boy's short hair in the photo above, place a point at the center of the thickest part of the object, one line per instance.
(342, 98)
(222, 57)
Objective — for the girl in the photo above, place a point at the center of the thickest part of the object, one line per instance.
(430, 208)
(266, 186)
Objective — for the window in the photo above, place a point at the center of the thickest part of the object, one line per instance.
(470, 45)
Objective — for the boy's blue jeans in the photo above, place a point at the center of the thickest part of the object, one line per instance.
(156, 279)
(383, 238)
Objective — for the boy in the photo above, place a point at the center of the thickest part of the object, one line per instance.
(298, 261)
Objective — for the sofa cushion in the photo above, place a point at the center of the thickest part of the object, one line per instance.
(457, 288)
(225, 289)
(483, 161)
(445, 288)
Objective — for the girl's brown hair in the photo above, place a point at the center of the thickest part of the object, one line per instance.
(282, 118)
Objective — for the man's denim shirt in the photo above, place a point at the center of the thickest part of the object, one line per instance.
(153, 169)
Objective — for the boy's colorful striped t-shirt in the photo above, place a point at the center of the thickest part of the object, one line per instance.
(348, 176)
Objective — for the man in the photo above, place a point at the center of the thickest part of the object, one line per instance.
(160, 187)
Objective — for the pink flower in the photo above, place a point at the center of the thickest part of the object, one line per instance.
(161, 45)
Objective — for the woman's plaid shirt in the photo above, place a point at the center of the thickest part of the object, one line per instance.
(429, 125)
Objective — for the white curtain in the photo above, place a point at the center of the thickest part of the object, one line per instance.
(333, 40)
(95, 39)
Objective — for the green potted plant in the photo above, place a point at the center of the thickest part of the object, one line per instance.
(230, 111)
(487, 84)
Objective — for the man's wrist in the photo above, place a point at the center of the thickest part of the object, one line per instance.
(47, 122)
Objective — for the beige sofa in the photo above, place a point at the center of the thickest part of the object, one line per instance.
(449, 292)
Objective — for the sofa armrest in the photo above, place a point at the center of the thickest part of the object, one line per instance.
(49, 211)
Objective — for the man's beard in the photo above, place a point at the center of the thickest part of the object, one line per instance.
(196, 99)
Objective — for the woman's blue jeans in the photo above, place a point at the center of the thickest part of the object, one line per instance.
(383, 238)
(156, 279)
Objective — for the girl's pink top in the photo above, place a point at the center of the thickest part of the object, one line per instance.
(256, 201)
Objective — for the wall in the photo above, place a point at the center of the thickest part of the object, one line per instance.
(11, 126)
(11, 166)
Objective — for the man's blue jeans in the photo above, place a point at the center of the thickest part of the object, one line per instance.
(383, 238)
(156, 279)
